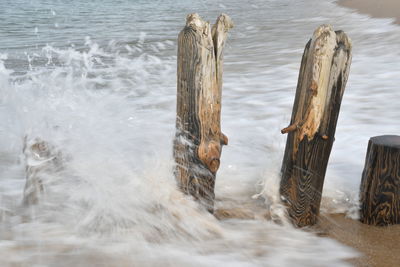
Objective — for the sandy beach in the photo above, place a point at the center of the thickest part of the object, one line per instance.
(378, 245)
(379, 9)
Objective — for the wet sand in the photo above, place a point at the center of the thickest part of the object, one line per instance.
(375, 8)
(379, 245)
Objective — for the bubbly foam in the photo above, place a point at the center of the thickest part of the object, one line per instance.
(107, 103)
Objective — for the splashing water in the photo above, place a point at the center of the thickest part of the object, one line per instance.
(106, 104)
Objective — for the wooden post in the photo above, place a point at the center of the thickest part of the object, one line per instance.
(41, 158)
(380, 183)
(198, 139)
(323, 75)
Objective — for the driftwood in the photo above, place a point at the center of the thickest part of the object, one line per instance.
(198, 140)
(322, 79)
(41, 159)
(380, 184)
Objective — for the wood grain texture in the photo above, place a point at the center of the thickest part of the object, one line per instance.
(380, 182)
(323, 75)
(198, 140)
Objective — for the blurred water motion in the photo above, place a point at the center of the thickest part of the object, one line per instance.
(97, 79)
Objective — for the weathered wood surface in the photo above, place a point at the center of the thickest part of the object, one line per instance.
(323, 75)
(198, 140)
(41, 160)
(380, 183)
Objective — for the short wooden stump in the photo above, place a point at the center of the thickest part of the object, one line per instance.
(380, 183)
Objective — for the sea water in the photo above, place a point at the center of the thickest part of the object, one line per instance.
(97, 80)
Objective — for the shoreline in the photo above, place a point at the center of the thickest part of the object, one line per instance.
(378, 245)
(376, 9)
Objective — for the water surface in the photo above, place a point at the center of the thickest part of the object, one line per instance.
(97, 80)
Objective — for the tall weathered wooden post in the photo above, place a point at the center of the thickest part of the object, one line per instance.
(198, 140)
(380, 184)
(323, 75)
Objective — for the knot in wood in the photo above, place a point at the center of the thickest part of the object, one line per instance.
(214, 165)
(209, 154)
(223, 139)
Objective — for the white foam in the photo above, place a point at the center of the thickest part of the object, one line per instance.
(110, 107)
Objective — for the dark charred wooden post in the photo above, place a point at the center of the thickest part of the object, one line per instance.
(198, 140)
(323, 75)
(380, 183)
